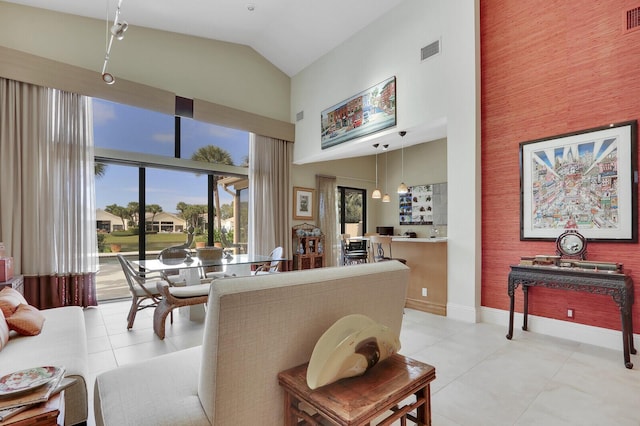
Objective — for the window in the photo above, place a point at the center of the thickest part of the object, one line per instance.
(352, 211)
(136, 165)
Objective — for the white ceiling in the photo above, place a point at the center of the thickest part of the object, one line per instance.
(291, 34)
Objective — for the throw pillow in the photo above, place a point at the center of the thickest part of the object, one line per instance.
(4, 331)
(10, 299)
(26, 320)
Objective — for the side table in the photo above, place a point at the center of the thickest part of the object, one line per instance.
(16, 282)
(360, 400)
(50, 413)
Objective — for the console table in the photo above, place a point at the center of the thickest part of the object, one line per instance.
(617, 285)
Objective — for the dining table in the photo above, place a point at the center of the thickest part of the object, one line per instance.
(192, 269)
(158, 265)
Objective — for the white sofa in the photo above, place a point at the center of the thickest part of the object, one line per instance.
(255, 327)
(61, 342)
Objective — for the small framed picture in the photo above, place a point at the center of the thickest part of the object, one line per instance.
(303, 203)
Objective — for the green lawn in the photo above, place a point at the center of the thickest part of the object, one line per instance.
(154, 241)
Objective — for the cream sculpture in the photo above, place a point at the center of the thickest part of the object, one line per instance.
(349, 347)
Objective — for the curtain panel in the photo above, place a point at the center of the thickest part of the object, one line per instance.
(269, 225)
(47, 207)
(328, 217)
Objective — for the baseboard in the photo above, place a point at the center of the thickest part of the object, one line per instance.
(462, 313)
(604, 337)
(421, 305)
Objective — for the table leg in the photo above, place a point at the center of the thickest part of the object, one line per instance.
(290, 418)
(626, 338)
(525, 290)
(511, 308)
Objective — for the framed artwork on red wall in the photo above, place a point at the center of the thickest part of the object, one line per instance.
(585, 180)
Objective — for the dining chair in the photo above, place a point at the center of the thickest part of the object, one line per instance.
(353, 252)
(378, 245)
(176, 253)
(270, 267)
(143, 288)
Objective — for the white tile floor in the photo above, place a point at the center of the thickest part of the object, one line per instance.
(482, 378)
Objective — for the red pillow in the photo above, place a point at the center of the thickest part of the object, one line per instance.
(4, 331)
(10, 299)
(26, 320)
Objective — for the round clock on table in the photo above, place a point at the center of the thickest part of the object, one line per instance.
(571, 244)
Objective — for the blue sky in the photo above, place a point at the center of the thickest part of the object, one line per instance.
(126, 128)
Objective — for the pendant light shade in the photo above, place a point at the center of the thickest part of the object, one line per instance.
(386, 198)
(402, 188)
(376, 194)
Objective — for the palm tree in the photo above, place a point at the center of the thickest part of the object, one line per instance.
(99, 169)
(154, 209)
(216, 155)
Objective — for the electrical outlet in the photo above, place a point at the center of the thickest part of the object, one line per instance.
(424, 292)
(570, 313)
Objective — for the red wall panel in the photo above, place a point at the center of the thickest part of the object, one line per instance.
(548, 68)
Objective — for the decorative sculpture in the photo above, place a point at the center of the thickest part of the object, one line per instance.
(350, 347)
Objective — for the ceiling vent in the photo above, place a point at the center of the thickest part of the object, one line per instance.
(430, 50)
(300, 116)
(632, 20)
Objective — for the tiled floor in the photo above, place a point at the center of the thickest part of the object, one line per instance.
(482, 378)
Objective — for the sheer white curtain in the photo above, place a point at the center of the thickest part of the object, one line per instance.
(269, 164)
(328, 217)
(47, 207)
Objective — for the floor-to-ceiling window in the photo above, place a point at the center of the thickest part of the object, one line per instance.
(150, 187)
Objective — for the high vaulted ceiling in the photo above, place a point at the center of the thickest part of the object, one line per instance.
(291, 34)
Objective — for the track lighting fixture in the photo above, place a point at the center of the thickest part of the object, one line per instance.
(117, 30)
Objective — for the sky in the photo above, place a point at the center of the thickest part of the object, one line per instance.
(126, 128)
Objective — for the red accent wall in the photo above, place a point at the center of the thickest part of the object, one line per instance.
(549, 67)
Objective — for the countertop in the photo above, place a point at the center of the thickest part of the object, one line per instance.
(420, 240)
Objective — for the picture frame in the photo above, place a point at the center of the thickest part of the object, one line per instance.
(364, 113)
(303, 203)
(585, 180)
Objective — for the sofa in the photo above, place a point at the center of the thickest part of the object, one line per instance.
(254, 328)
(62, 342)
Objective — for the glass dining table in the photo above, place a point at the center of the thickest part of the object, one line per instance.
(192, 269)
(157, 265)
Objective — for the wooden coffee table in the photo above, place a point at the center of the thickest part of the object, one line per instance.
(359, 400)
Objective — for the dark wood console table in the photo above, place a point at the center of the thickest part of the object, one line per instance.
(617, 285)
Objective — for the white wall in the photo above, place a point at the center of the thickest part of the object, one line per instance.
(223, 73)
(389, 47)
(439, 93)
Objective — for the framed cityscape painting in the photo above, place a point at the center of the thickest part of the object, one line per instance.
(367, 112)
(586, 180)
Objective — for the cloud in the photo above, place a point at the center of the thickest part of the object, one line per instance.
(103, 113)
(163, 137)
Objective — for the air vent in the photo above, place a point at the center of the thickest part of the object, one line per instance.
(300, 116)
(430, 50)
(632, 19)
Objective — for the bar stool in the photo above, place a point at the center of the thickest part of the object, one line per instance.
(378, 244)
(353, 251)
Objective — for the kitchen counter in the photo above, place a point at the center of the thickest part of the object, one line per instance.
(428, 277)
(419, 240)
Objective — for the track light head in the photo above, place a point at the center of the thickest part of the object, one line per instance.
(118, 29)
(376, 145)
(402, 133)
(108, 78)
(385, 147)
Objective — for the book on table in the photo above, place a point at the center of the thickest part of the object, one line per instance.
(11, 405)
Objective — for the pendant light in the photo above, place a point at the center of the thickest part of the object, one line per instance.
(402, 188)
(376, 192)
(386, 198)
